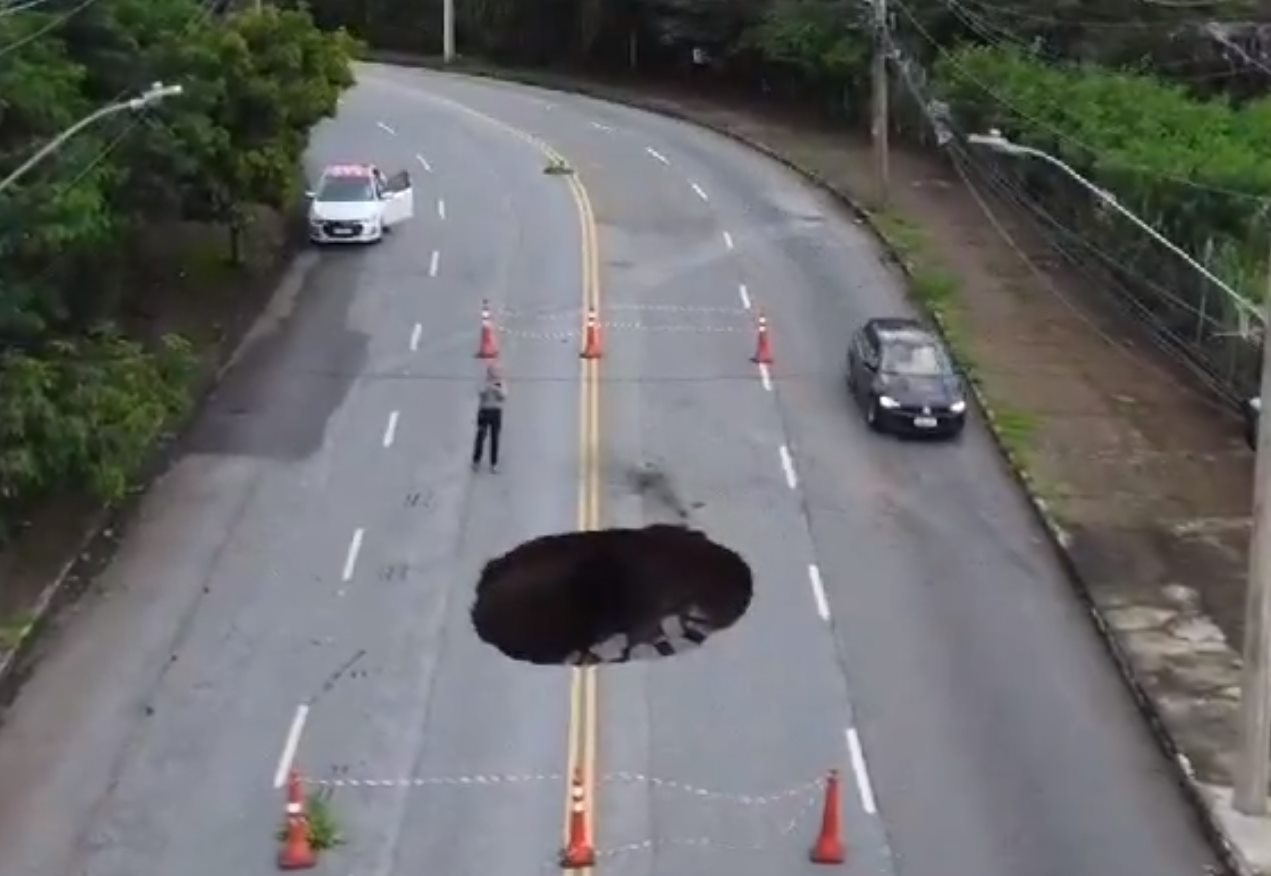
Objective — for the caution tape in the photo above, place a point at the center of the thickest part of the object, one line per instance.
(626, 326)
(706, 793)
(807, 808)
(488, 779)
(459, 781)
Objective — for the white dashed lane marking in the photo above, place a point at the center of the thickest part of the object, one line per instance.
(292, 743)
(350, 559)
(385, 128)
(414, 337)
(765, 377)
(434, 264)
(862, 772)
(744, 294)
(701, 193)
(787, 464)
(728, 240)
(441, 208)
(818, 592)
(390, 430)
(424, 162)
(656, 154)
(600, 127)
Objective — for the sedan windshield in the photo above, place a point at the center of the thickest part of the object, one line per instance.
(914, 360)
(346, 189)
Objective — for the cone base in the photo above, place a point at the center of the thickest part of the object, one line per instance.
(298, 861)
(828, 853)
(577, 857)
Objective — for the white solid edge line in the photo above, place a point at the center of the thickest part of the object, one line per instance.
(355, 547)
(788, 464)
(386, 128)
(292, 743)
(818, 592)
(745, 295)
(728, 240)
(701, 193)
(656, 154)
(390, 430)
(862, 773)
(414, 336)
(424, 162)
(765, 377)
(441, 207)
(434, 263)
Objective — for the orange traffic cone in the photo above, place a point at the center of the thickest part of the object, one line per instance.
(297, 849)
(591, 343)
(578, 851)
(763, 349)
(489, 348)
(829, 845)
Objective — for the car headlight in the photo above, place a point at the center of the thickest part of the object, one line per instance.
(888, 402)
(958, 406)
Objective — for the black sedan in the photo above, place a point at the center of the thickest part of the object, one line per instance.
(904, 380)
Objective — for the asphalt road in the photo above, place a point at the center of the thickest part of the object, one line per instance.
(994, 738)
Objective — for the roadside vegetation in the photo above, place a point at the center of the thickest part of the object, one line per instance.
(1160, 103)
(136, 219)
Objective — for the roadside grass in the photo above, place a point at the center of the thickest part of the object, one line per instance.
(13, 631)
(324, 827)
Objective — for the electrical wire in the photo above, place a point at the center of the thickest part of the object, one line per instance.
(14, 8)
(961, 160)
(1089, 23)
(1059, 132)
(56, 21)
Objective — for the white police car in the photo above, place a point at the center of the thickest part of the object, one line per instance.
(356, 203)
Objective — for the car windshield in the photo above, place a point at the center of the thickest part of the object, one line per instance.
(347, 189)
(911, 359)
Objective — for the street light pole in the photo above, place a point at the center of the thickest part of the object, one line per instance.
(448, 30)
(1254, 766)
(153, 94)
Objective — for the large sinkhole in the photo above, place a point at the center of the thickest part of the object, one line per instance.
(610, 596)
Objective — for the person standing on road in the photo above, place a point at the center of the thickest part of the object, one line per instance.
(489, 417)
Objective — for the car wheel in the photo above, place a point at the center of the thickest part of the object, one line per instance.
(872, 416)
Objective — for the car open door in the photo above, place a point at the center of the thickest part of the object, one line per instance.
(399, 199)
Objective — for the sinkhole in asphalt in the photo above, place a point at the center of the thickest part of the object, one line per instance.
(610, 596)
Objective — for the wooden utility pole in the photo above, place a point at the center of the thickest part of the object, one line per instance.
(1255, 685)
(881, 46)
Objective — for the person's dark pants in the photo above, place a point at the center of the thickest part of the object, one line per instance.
(487, 421)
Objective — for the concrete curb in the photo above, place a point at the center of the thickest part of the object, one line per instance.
(113, 517)
(1059, 540)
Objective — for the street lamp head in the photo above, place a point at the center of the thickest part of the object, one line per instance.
(996, 141)
(155, 93)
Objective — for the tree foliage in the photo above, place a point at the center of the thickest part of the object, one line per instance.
(80, 404)
(1199, 168)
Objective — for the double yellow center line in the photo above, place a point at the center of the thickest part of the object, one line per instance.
(582, 688)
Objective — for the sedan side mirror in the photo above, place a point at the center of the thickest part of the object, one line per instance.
(308, 195)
